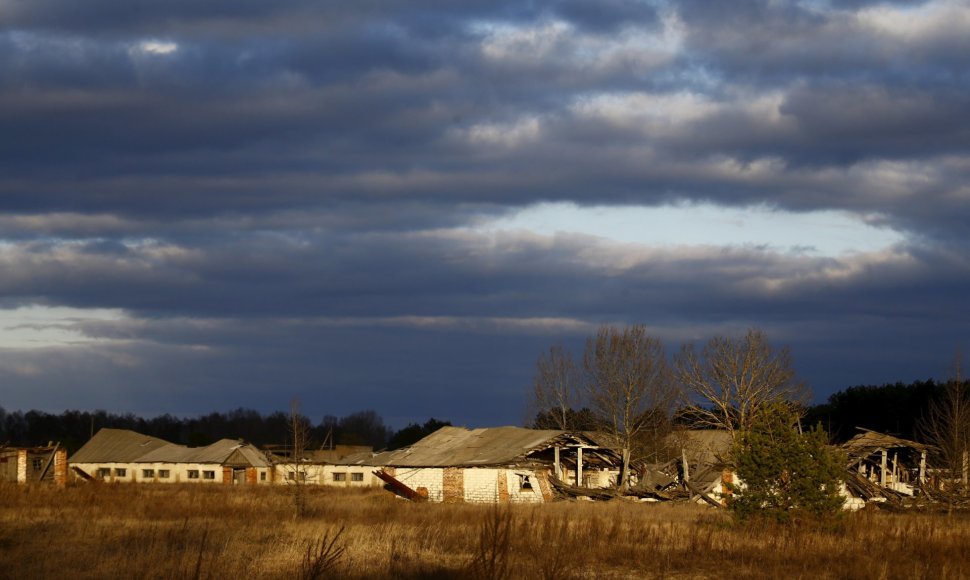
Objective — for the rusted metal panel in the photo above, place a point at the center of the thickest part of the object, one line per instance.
(396, 487)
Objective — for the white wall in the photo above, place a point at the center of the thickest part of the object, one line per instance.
(178, 472)
(431, 478)
(93, 468)
(316, 474)
(481, 485)
(517, 494)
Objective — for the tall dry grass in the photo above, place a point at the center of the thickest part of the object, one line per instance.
(163, 531)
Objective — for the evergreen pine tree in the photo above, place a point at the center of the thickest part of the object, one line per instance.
(786, 474)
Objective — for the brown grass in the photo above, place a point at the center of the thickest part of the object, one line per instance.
(147, 531)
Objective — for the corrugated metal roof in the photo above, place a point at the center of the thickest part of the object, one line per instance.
(116, 446)
(123, 446)
(458, 446)
(247, 456)
(219, 452)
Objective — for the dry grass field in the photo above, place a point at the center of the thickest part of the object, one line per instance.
(144, 531)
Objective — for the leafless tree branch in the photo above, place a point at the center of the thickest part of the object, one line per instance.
(732, 379)
(629, 387)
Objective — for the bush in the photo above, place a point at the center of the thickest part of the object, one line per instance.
(786, 475)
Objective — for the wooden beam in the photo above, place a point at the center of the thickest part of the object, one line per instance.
(683, 458)
(50, 460)
(922, 467)
(555, 464)
(882, 474)
(703, 495)
(80, 473)
(579, 467)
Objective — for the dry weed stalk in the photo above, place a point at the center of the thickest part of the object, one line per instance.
(553, 550)
(492, 559)
(322, 555)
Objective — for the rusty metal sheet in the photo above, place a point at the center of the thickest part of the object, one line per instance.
(397, 487)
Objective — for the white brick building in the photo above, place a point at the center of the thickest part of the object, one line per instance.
(119, 455)
(501, 464)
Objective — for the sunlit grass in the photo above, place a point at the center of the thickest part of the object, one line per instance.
(146, 531)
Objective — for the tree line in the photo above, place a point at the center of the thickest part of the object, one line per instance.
(73, 428)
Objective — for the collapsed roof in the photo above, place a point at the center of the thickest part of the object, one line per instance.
(710, 447)
(869, 442)
(462, 447)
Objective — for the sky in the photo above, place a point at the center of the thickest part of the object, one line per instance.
(398, 206)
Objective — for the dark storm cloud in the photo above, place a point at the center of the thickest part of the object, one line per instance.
(426, 16)
(286, 193)
(439, 312)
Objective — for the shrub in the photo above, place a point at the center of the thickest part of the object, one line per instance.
(786, 474)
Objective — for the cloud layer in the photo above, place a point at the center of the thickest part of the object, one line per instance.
(282, 198)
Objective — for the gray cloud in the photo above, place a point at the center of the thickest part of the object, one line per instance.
(278, 193)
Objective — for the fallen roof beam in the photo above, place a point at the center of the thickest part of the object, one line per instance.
(80, 473)
(396, 487)
(695, 490)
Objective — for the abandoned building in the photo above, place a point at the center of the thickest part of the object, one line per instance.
(702, 461)
(883, 467)
(489, 465)
(501, 464)
(119, 455)
(323, 466)
(34, 464)
(698, 465)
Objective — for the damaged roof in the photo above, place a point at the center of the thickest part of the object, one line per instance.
(870, 441)
(124, 446)
(701, 446)
(458, 446)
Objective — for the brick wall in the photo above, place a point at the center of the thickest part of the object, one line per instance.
(453, 485)
(503, 486)
(727, 479)
(60, 467)
(21, 466)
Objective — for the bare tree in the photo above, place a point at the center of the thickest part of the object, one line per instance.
(946, 425)
(300, 433)
(629, 387)
(733, 379)
(556, 390)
